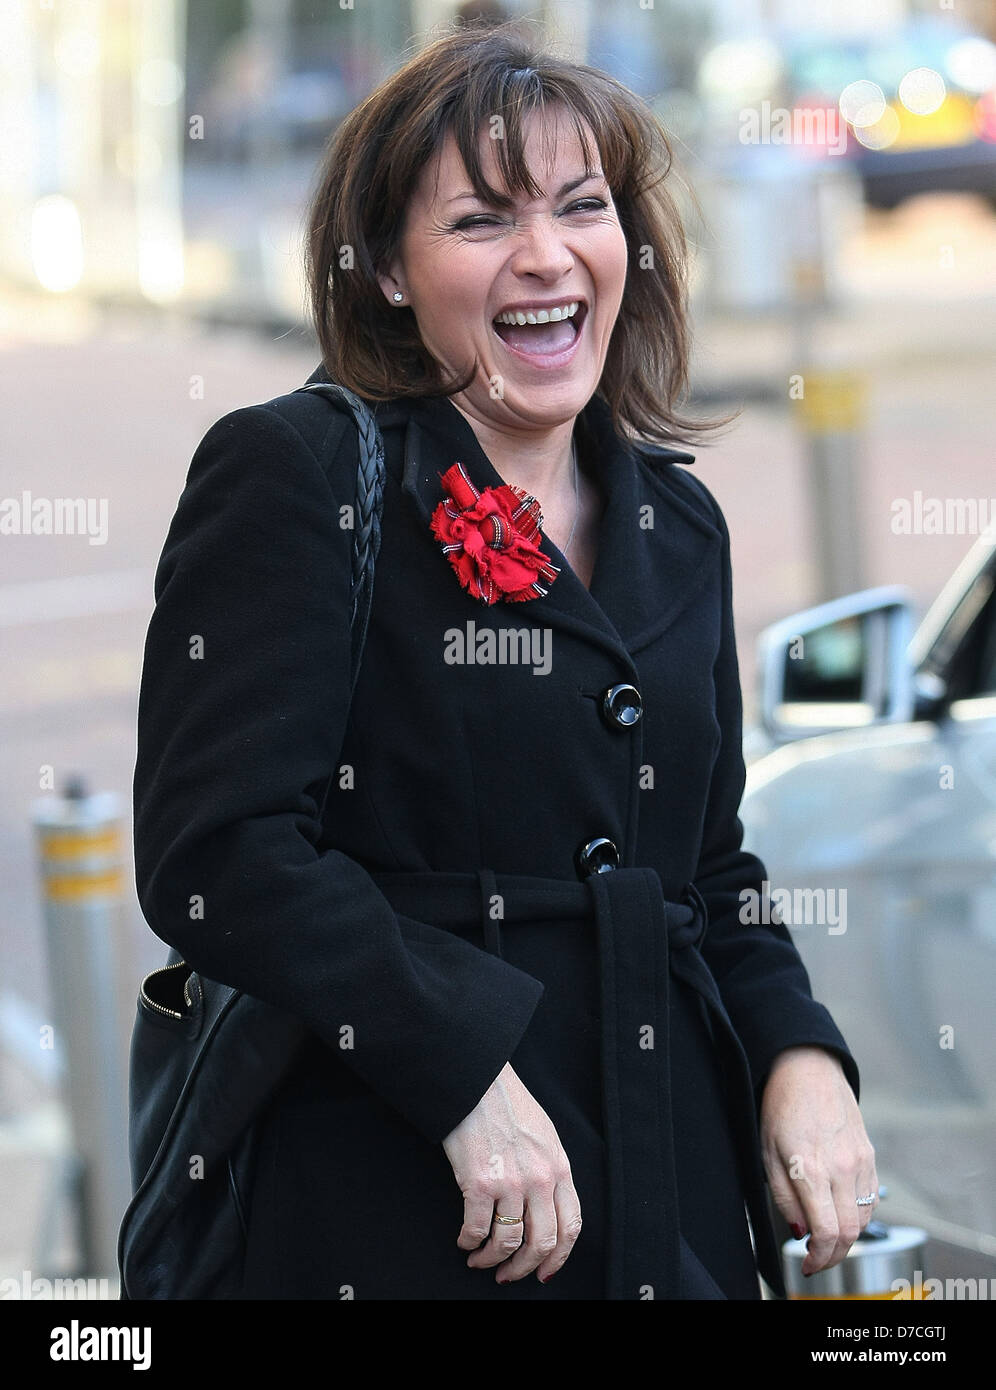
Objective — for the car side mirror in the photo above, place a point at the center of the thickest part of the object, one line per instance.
(843, 665)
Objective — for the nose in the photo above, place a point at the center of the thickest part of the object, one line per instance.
(540, 248)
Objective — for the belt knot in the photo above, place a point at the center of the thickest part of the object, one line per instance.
(689, 919)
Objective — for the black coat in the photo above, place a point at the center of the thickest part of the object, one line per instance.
(405, 876)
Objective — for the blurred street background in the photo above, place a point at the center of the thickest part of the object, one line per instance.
(837, 165)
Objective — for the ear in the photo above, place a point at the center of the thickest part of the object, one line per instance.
(390, 280)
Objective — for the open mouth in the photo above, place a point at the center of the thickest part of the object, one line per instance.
(543, 340)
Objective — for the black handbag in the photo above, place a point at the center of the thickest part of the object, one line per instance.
(205, 1058)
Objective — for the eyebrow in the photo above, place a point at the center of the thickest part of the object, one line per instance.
(564, 189)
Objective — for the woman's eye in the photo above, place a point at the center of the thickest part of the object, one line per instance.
(582, 205)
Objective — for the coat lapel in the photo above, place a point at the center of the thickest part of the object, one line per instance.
(655, 548)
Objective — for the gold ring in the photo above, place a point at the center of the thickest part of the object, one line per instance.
(508, 1220)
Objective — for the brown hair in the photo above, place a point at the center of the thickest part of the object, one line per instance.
(457, 84)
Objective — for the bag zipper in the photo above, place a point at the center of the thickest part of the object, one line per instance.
(161, 1008)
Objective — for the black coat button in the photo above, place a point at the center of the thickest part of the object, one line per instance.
(596, 856)
(622, 706)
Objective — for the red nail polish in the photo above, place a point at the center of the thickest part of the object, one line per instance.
(797, 1230)
(548, 1278)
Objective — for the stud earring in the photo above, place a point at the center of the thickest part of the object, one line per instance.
(398, 296)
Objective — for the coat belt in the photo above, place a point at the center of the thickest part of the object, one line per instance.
(644, 941)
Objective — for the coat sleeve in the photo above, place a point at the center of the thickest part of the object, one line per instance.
(242, 710)
(758, 970)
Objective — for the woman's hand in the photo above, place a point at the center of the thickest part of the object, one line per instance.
(508, 1161)
(816, 1152)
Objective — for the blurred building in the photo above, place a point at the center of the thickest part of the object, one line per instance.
(165, 152)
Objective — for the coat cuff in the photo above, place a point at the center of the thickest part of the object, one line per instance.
(819, 1031)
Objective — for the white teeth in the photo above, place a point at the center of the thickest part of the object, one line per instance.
(540, 316)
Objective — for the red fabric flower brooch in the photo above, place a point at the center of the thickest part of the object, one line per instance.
(489, 538)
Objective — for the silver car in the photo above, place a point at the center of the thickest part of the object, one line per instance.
(871, 799)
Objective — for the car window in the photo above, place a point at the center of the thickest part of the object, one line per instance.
(986, 679)
(972, 671)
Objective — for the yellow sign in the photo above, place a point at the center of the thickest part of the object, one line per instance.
(832, 401)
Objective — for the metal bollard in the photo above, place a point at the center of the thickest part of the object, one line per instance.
(79, 844)
(878, 1259)
(833, 415)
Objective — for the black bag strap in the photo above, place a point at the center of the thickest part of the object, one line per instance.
(367, 513)
(152, 1256)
